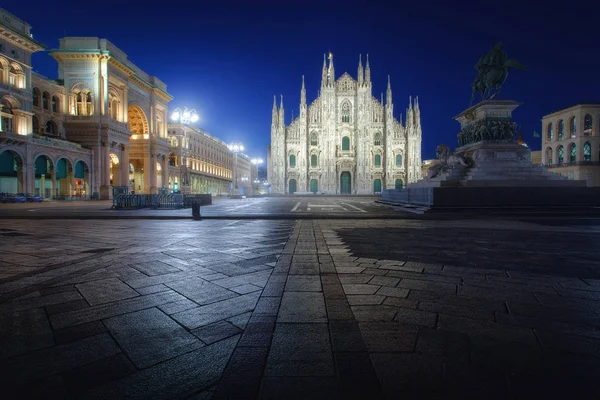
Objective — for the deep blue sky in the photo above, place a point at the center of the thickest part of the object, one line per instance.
(228, 58)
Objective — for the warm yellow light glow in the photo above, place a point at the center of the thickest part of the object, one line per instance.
(114, 159)
(175, 116)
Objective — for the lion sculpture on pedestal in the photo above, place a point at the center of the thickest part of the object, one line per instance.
(446, 162)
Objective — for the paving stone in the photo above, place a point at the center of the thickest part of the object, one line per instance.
(244, 289)
(66, 307)
(338, 310)
(388, 336)
(393, 292)
(57, 359)
(240, 320)
(300, 388)
(176, 378)
(349, 270)
(149, 337)
(487, 329)
(89, 376)
(37, 302)
(357, 288)
(302, 307)
(548, 325)
(201, 291)
(77, 332)
(417, 317)
(152, 268)
(214, 312)
(258, 331)
(104, 311)
(304, 269)
(214, 332)
(105, 291)
(408, 374)
(475, 382)
(346, 337)
(300, 350)
(427, 286)
(267, 306)
(374, 313)
(355, 278)
(23, 332)
(303, 283)
(364, 299)
(442, 308)
(384, 281)
(454, 347)
(567, 342)
(357, 376)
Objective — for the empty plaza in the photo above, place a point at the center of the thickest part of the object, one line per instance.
(298, 308)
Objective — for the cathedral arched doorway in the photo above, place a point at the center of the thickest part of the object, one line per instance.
(377, 186)
(292, 186)
(314, 186)
(345, 183)
(399, 184)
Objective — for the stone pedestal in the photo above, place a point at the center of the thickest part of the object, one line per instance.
(490, 169)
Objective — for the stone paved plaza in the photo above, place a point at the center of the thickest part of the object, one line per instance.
(228, 309)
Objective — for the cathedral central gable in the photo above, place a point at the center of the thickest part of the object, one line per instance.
(345, 83)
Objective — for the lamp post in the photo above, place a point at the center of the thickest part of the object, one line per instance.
(185, 117)
(256, 162)
(235, 148)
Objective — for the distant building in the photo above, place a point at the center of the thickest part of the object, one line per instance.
(571, 142)
(426, 165)
(202, 165)
(346, 141)
(536, 157)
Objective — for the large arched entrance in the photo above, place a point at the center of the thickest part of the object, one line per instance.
(82, 179)
(345, 183)
(314, 186)
(292, 186)
(377, 186)
(399, 184)
(114, 170)
(11, 172)
(64, 177)
(43, 176)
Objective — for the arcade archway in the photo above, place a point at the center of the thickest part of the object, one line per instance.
(11, 172)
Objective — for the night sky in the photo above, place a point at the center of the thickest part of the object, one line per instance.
(227, 59)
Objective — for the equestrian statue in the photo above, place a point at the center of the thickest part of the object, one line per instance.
(492, 70)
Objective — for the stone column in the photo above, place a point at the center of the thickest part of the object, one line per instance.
(53, 178)
(43, 186)
(165, 171)
(104, 171)
(21, 179)
(29, 179)
(125, 166)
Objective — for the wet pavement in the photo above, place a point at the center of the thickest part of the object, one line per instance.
(472, 308)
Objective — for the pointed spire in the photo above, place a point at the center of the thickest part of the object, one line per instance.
(389, 92)
(360, 70)
(367, 71)
(410, 106)
(274, 102)
(324, 71)
(281, 104)
(274, 112)
(331, 71)
(303, 93)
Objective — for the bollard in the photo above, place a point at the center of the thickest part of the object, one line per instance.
(196, 210)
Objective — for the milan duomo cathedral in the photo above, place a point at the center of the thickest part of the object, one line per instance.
(346, 141)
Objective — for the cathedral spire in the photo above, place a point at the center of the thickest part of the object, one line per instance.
(324, 72)
(303, 93)
(281, 113)
(367, 72)
(360, 71)
(389, 92)
(331, 71)
(274, 112)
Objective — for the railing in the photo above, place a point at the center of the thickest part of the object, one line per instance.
(570, 164)
(167, 201)
(202, 199)
(131, 201)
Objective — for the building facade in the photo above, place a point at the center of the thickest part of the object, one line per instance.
(571, 142)
(198, 162)
(34, 157)
(346, 141)
(101, 124)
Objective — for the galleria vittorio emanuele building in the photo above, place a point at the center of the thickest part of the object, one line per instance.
(346, 141)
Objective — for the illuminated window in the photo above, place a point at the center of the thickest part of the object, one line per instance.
(398, 160)
(46, 101)
(345, 143)
(549, 155)
(55, 104)
(313, 139)
(573, 127)
(36, 97)
(561, 154)
(292, 160)
(587, 151)
(573, 153)
(561, 129)
(313, 160)
(550, 131)
(377, 160)
(587, 124)
(51, 128)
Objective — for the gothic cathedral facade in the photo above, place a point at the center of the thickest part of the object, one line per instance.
(344, 142)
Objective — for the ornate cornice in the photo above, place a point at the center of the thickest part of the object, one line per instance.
(20, 40)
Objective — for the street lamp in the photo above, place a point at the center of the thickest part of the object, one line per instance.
(235, 148)
(185, 117)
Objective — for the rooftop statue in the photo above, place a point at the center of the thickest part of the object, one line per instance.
(492, 70)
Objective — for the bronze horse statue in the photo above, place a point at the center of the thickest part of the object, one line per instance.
(493, 70)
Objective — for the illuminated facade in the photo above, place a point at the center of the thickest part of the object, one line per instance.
(198, 162)
(346, 141)
(571, 142)
(101, 124)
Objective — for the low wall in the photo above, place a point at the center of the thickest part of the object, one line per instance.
(480, 197)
